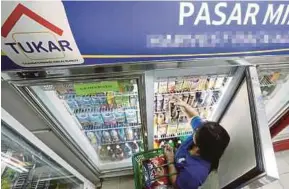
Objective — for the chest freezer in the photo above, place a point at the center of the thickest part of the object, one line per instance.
(86, 105)
(24, 165)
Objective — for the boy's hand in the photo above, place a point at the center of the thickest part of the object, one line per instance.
(169, 153)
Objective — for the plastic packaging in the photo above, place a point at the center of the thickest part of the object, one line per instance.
(106, 137)
(114, 136)
(83, 119)
(108, 118)
(129, 133)
(131, 116)
(119, 115)
(72, 103)
(92, 137)
(121, 134)
(96, 118)
(119, 153)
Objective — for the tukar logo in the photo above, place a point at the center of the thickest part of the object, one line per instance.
(31, 43)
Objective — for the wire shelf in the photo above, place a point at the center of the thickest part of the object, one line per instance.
(158, 137)
(111, 127)
(104, 109)
(119, 142)
(187, 92)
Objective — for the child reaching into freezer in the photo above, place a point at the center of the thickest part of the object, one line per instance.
(199, 155)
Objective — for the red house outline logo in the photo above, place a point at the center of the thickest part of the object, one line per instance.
(22, 10)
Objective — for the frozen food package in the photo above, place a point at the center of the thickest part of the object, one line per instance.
(110, 98)
(119, 115)
(219, 82)
(83, 119)
(102, 100)
(96, 118)
(163, 87)
(160, 99)
(166, 102)
(212, 81)
(108, 118)
(191, 99)
(95, 100)
(133, 100)
(161, 118)
(186, 85)
(162, 129)
(154, 168)
(173, 111)
(131, 116)
(194, 84)
(172, 128)
(118, 101)
(156, 87)
(125, 101)
(72, 103)
(171, 85)
(179, 84)
(186, 98)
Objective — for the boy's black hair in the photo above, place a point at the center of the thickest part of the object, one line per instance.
(212, 140)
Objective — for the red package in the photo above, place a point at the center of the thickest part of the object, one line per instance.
(156, 169)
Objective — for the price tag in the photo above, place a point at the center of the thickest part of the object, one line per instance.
(93, 88)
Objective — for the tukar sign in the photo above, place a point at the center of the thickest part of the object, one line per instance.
(129, 31)
(37, 34)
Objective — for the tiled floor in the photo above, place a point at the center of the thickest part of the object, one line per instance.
(282, 163)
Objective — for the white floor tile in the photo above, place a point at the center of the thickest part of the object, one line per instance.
(284, 180)
(126, 182)
(273, 185)
(111, 184)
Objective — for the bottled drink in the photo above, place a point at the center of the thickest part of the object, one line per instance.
(111, 153)
(102, 152)
(121, 135)
(119, 153)
(129, 134)
(91, 137)
(134, 147)
(127, 150)
(171, 143)
(98, 136)
(114, 136)
(106, 137)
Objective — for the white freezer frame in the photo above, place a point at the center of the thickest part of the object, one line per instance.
(13, 123)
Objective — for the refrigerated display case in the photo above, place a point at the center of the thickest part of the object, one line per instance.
(85, 102)
(273, 74)
(24, 165)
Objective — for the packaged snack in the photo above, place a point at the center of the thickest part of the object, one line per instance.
(110, 98)
(96, 118)
(186, 98)
(183, 122)
(173, 111)
(202, 85)
(161, 119)
(162, 129)
(219, 82)
(86, 100)
(83, 119)
(163, 87)
(155, 119)
(125, 101)
(186, 85)
(133, 100)
(166, 102)
(179, 84)
(95, 100)
(156, 86)
(172, 128)
(209, 98)
(194, 84)
(131, 116)
(119, 115)
(171, 85)
(191, 99)
(160, 99)
(114, 136)
(108, 118)
(102, 100)
(167, 118)
(154, 168)
(212, 81)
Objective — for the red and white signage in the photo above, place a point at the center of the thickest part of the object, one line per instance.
(38, 34)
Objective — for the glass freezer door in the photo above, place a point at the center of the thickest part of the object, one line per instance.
(25, 166)
(103, 117)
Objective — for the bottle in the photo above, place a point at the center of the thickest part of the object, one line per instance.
(121, 135)
(98, 136)
(111, 153)
(102, 152)
(114, 136)
(129, 134)
(156, 144)
(162, 144)
(134, 147)
(106, 137)
(171, 143)
(119, 153)
(178, 144)
(91, 137)
(141, 146)
(127, 150)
